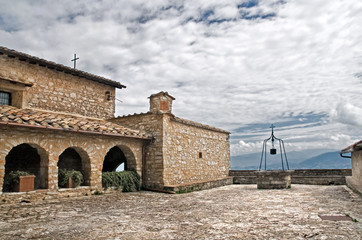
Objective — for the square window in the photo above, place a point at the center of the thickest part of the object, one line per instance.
(5, 98)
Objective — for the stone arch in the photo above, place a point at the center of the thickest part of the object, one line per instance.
(75, 158)
(118, 155)
(31, 158)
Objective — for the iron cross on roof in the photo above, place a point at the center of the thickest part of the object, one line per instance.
(75, 59)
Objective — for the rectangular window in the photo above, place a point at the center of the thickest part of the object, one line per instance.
(200, 154)
(5, 98)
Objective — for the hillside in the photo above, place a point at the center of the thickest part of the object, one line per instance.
(297, 160)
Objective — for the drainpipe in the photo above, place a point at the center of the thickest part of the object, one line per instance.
(341, 154)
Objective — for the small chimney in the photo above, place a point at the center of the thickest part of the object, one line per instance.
(161, 102)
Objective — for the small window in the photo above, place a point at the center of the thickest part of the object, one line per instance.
(200, 154)
(108, 95)
(5, 98)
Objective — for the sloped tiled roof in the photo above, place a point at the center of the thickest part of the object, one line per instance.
(61, 121)
(199, 125)
(179, 120)
(58, 67)
(354, 147)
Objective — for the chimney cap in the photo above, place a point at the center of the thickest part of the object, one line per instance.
(162, 93)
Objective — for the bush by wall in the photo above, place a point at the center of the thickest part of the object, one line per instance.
(64, 174)
(127, 181)
(13, 177)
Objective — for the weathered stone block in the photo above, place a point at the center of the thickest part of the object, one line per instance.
(275, 179)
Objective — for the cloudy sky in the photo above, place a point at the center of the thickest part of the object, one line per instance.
(239, 65)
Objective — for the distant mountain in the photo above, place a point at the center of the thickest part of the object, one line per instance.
(315, 159)
(331, 160)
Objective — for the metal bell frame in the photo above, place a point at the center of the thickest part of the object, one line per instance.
(273, 151)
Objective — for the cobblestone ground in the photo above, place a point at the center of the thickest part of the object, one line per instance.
(231, 212)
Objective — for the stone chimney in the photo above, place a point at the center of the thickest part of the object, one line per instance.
(161, 102)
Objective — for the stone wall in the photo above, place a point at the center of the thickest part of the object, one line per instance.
(173, 157)
(154, 159)
(58, 91)
(299, 176)
(356, 160)
(50, 144)
(194, 154)
(355, 181)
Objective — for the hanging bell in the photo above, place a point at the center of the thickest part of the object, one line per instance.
(273, 151)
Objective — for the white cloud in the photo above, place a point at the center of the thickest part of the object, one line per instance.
(348, 114)
(302, 60)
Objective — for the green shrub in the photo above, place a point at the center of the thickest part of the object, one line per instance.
(13, 177)
(126, 181)
(64, 174)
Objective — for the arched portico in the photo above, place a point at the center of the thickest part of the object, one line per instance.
(30, 158)
(75, 158)
(118, 155)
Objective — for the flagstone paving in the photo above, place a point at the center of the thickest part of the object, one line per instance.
(230, 212)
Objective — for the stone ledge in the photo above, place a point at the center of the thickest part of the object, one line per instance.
(197, 186)
(43, 194)
(319, 180)
(300, 176)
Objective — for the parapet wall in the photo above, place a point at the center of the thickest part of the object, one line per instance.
(301, 176)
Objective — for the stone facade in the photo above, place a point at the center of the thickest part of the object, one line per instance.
(35, 85)
(51, 144)
(182, 152)
(193, 153)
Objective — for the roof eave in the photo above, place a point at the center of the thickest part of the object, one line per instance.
(59, 67)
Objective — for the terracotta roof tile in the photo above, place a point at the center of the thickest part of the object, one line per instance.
(199, 125)
(61, 121)
(357, 146)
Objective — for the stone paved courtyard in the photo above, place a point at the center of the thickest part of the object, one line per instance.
(231, 212)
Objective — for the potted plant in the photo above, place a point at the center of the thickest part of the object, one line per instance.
(69, 178)
(19, 181)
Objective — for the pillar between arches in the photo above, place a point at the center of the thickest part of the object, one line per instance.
(2, 170)
(53, 171)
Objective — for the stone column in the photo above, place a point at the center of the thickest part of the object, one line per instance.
(53, 171)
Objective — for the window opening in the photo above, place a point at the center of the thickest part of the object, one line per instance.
(5, 98)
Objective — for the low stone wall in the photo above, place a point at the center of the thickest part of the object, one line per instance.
(197, 186)
(45, 194)
(243, 176)
(301, 176)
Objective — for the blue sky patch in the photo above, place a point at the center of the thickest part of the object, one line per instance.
(249, 4)
(291, 122)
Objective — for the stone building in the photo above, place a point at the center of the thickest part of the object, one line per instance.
(355, 181)
(183, 152)
(53, 117)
